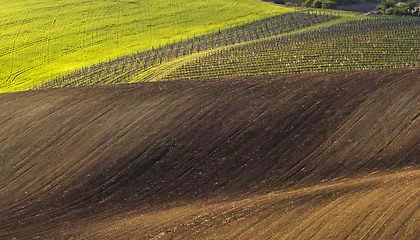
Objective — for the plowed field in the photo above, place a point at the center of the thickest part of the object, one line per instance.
(324, 156)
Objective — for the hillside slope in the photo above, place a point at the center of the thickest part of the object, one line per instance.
(358, 44)
(147, 160)
(41, 40)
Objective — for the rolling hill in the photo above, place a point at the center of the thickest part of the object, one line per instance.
(322, 155)
(41, 40)
(357, 44)
(295, 42)
(144, 66)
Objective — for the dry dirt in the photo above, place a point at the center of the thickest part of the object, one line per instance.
(324, 156)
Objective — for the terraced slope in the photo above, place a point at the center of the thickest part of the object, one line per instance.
(323, 155)
(369, 43)
(43, 40)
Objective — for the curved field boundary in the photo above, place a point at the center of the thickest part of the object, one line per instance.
(43, 40)
(71, 158)
(373, 207)
(352, 45)
(129, 68)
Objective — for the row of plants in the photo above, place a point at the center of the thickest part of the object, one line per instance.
(372, 43)
(127, 68)
(45, 39)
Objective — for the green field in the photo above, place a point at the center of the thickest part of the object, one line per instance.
(43, 39)
(150, 65)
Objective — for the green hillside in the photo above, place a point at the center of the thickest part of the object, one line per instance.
(43, 39)
(149, 65)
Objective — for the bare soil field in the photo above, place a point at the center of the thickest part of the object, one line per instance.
(323, 156)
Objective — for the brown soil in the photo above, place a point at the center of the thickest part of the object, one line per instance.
(331, 155)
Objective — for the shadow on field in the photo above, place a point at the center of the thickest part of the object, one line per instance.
(288, 156)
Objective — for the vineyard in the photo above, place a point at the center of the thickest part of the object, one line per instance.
(354, 45)
(126, 69)
(45, 39)
(208, 119)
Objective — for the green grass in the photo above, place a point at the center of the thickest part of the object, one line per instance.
(139, 66)
(43, 39)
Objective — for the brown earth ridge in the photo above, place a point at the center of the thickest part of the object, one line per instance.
(323, 156)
